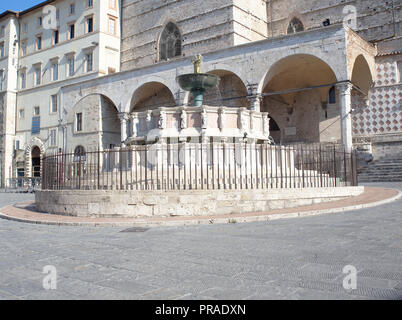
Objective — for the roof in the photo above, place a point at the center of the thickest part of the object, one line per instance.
(5, 13)
(20, 13)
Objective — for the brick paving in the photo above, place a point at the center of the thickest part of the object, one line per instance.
(278, 259)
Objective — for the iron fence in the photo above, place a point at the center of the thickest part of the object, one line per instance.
(201, 166)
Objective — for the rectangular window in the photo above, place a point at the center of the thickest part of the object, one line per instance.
(89, 61)
(23, 82)
(78, 121)
(90, 25)
(17, 144)
(25, 27)
(112, 4)
(55, 71)
(90, 3)
(112, 25)
(58, 14)
(2, 31)
(37, 76)
(2, 50)
(21, 114)
(35, 125)
(36, 111)
(39, 21)
(71, 32)
(39, 43)
(72, 8)
(53, 103)
(70, 67)
(399, 71)
(55, 36)
(23, 48)
(52, 137)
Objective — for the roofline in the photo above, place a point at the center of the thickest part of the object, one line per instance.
(7, 12)
(42, 4)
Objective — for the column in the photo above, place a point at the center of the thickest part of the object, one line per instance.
(345, 103)
(254, 97)
(123, 116)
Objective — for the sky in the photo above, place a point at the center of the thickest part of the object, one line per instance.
(17, 5)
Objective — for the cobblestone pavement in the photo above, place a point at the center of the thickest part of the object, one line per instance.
(283, 259)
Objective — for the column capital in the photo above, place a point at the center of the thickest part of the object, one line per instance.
(345, 87)
(123, 116)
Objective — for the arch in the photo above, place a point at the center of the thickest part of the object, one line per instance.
(169, 41)
(295, 25)
(34, 143)
(152, 95)
(361, 75)
(290, 98)
(79, 153)
(231, 91)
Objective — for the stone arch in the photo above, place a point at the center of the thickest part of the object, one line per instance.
(288, 95)
(231, 91)
(169, 43)
(362, 75)
(152, 95)
(35, 142)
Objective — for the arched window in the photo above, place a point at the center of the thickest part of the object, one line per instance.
(332, 95)
(79, 153)
(295, 25)
(170, 42)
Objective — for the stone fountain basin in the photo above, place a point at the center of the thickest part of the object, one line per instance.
(197, 81)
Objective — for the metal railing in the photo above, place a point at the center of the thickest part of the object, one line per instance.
(201, 166)
(23, 184)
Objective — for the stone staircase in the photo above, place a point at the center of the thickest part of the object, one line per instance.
(382, 170)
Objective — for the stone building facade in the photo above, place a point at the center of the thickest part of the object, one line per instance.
(318, 80)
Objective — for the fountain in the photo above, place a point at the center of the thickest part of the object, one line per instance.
(197, 83)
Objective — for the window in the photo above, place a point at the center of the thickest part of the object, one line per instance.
(2, 51)
(89, 62)
(53, 103)
(23, 48)
(70, 66)
(39, 43)
(79, 154)
(17, 144)
(295, 25)
(57, 14)
(36, 111)
(1, 79)
(55, 71)
(52, 137)
(72, 9)
(37, 75)
(21, 114)
(112, 4)
(170, 42)
(112, 25)
(71, 31)
(78, 122)
(39, 21)
(55, 36)
(399, 64)
(22, 80)
(2, 31)
(90, 24)
(25, 27)
(35, 129)
(90, 3)
(332, 95)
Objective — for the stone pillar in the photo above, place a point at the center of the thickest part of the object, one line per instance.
(134, 122)
(123, 116)
(345, 103)
(254, 97)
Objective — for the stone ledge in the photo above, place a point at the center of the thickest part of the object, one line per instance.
(149, 203)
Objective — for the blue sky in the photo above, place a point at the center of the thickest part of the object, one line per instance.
(17, 5)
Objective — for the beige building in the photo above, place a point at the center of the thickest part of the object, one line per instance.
(86, 80)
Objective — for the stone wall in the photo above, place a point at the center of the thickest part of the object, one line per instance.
(183, 203)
